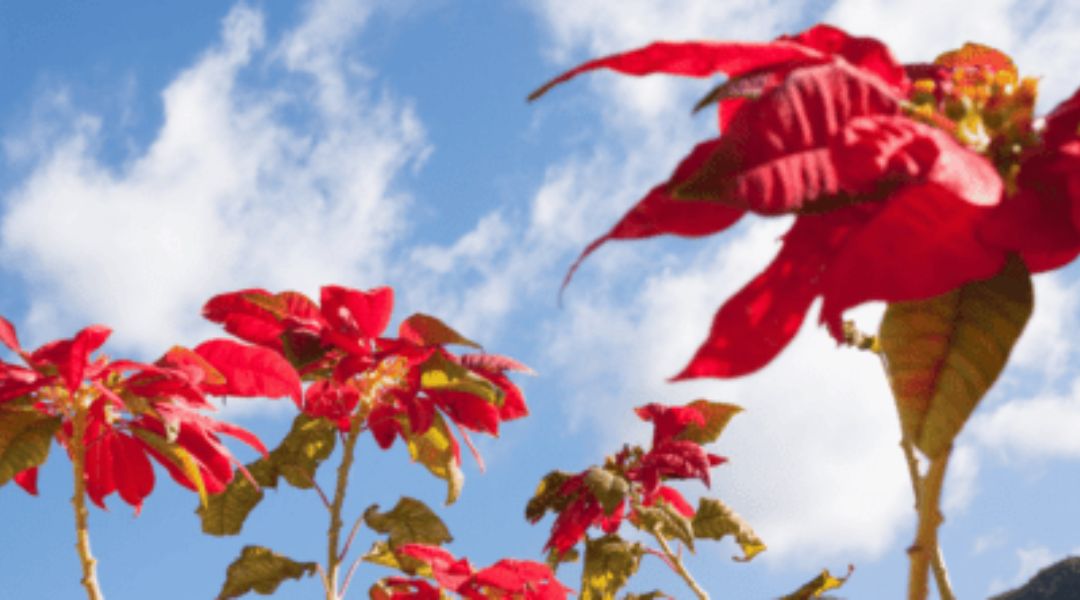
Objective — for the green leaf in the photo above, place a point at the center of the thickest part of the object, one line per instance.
(714, 520)
(717, 416)
(609, 563)
(409, 522)
(664, 520)
(261, 570)
(25, 436)
(225, 513)
(548, 496)
(309, 442)
(819, 585)
(435, 450)
(943, 354)
(610, 489)
(428, 330)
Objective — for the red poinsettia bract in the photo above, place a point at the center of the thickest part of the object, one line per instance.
(598, 497)
(507, 578)
(906, 181)
(132, 411)
(407, 386)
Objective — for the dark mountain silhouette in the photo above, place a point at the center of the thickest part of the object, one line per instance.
(1059, 581)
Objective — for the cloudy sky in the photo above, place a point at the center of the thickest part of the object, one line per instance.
(154, 154)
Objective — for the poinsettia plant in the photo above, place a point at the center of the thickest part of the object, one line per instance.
(408, 387)
(113, 416)
(931, 187)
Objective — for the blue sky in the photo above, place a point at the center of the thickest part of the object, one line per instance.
(155, 154)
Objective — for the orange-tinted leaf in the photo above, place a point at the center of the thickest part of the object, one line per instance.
(427, 330)
(944, 353)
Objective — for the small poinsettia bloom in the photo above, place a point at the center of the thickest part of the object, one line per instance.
(507, 578)
(895, 173)
(132, 412)
(403, 387)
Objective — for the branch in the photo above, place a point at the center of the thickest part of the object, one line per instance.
(924, 550)
(676, 562)
(78, 501)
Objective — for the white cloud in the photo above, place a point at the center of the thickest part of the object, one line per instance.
(961, 479)
(1040, 427)
(274, 166)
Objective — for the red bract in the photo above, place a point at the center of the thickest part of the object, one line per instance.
(598, 497)
(507, 578)
(895, 185)
(133, 411)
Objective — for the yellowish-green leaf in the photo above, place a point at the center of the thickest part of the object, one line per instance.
(662, 519)
(610, 489)
(381, 554)
(819, 585)
(409, 522)
(435, 450)
(432, 331)
(548, 496)
(943, 354)
(556, 558)
(261, 570)
(225, 513)
(25, 436)
(653, 595)
(609, 562)
(714, 520)
(179, 457)
(717, 416)
(309, 442)
(439, 373)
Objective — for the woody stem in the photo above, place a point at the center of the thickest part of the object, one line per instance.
(675, 561)
(78, 501)
(925, 550)
(333, 534)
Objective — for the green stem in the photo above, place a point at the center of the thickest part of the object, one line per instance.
(78, 501)
(680, 568)
(937, 560)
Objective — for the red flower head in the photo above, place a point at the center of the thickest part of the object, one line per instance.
(892, 182)
(116, 415)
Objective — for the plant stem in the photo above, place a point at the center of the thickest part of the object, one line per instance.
(937, 560)
(923, 552)
(333, 534)
(676, 563)
(78, 501)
